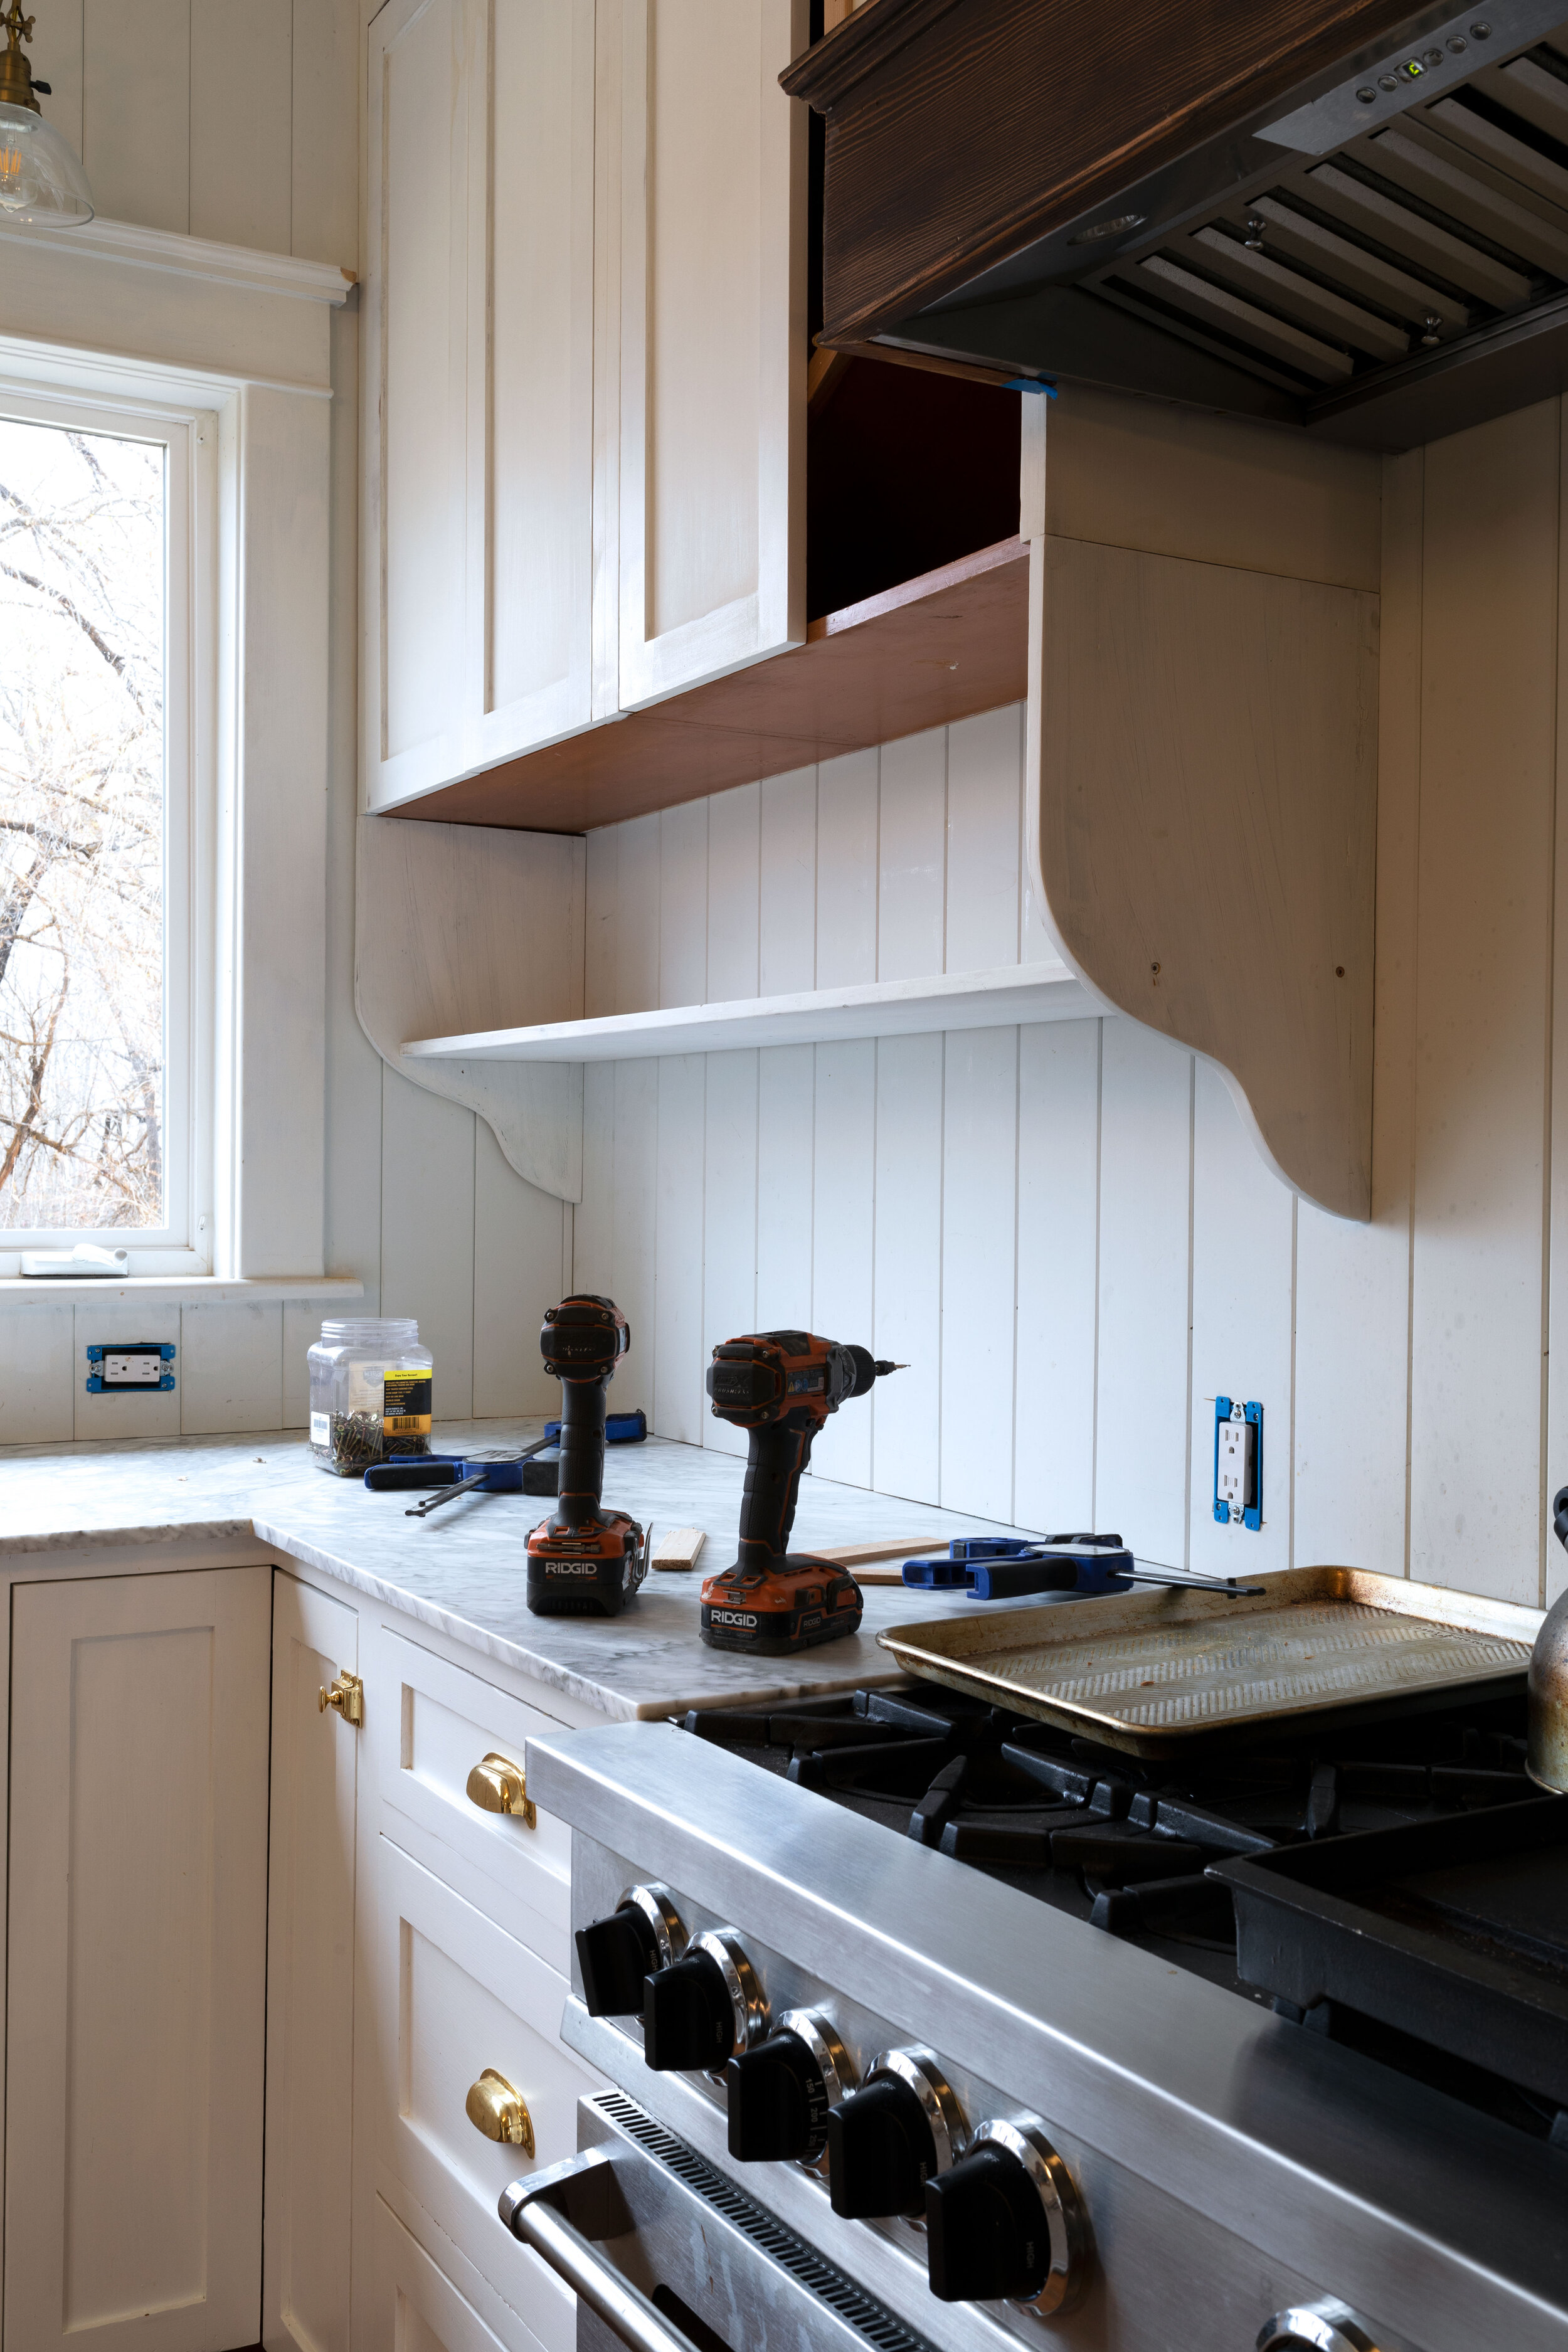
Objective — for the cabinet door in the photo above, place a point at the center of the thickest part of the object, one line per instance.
(529, 631)
(712, 376)
(135, 2016)
(414, 366)
(310, 1966)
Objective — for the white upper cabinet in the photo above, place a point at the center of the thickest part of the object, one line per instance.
(584, 366)
(713, 364)
(479, 410)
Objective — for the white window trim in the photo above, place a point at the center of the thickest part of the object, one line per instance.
(235, 347)
(184, 1244)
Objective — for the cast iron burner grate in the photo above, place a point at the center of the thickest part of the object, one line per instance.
(1125, 1844)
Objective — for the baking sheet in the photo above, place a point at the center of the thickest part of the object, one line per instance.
(1147, 1672)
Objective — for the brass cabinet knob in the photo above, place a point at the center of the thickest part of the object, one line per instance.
(346, 1698)
(493, 2107)
(500, 1786)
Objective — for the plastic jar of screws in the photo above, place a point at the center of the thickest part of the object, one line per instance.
(370, 1394)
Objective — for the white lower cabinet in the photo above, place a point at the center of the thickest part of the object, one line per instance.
(452, 1996)
(137, 1949)
(308, 2189)
(420, 2310)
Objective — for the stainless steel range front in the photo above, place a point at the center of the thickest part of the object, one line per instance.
(869, 2095)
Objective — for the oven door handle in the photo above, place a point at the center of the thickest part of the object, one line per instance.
(532, 2208)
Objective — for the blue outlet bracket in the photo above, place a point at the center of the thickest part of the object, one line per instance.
(161, 1350)
(1237, 1463)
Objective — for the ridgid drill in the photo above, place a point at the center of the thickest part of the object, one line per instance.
(781, 1386)
(584, 1561)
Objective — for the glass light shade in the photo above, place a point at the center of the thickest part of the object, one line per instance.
(41, 183)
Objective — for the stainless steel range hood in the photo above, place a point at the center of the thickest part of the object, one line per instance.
(1383, 262)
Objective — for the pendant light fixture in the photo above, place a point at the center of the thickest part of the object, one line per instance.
(41, 182)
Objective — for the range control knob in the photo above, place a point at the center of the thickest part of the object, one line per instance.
(782, 2092)
(900, 2128)
(642, 1934)
(698, 2013)
(1006, 2225)
(1326, 2326)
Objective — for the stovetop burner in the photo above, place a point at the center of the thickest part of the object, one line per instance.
(1125, 1844)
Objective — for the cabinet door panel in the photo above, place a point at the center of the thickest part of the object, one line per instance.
(135, 2017)
(530, 417)
(311, 1960)
(713, 341)
(415, 367)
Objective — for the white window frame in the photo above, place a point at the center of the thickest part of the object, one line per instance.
(184, 1244)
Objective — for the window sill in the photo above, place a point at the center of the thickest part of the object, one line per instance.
(177, 1290)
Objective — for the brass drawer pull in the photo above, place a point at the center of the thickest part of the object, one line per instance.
(493, 2107)
(500, 1786)
(346, 1698)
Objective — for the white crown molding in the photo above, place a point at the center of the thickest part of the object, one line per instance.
(193, 256)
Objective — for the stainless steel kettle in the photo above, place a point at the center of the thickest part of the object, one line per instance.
(1546, 1760)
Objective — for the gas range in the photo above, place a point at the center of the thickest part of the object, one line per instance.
(901, 1903)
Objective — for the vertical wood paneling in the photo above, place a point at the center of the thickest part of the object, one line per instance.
(786, 1091)
(233, 1364)
(847, 869)
(912, 861)
(679, 1404)
(728, 1221)
(136, 110)
(906, 1408)
(302, 1321)
(38, 1379)
(241, 122)
(601, 921)
(325, 157)
(1145, 1176)
(593, 1223)
(734, 819)
(1489, 634)
(683, 904)
(843, 1305)
(1243, 1239)
(1352, 1282)
(985, 765)
(787, 899)
(634, 1224)
(980, 1138)
(1058, 1232)
(57, 57)
(637, 940)
(427, 1233)
(517, 1274)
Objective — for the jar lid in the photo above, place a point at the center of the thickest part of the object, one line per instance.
(371, 1331)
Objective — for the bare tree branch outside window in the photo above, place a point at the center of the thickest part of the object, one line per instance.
(81, 830)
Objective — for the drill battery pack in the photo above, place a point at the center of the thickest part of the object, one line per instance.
(793, 1603)
(585, 1571)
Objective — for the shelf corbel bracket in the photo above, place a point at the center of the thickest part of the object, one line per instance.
(460, 928)
(1201, 794)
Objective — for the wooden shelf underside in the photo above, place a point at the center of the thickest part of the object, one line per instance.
(882, 1008)
(932, 650)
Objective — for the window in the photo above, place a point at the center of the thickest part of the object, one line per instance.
(102, 837)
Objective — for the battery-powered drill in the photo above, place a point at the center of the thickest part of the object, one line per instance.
(781, 1386)
(584, 1561)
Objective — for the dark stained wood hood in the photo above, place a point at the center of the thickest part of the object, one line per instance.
(1340, 214)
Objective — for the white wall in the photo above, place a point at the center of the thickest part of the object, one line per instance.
(1064, 1227)
(238, 119)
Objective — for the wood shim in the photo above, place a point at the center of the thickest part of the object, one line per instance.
(678, 1548)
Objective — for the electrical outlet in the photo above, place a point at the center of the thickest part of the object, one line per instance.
(135, 1364)
(1237, 1463)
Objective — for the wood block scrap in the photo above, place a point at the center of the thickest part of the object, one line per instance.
(678, 1548)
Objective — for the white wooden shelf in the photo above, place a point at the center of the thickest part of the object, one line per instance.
(881, 1008)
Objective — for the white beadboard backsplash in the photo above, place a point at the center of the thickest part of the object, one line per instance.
(1064, 1228)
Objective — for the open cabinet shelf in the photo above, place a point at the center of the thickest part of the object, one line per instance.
(923, 654)
(881, 1008)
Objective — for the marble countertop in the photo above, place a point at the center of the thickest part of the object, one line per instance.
(462, 1570)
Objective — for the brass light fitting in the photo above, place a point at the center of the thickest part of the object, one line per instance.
(42, 184)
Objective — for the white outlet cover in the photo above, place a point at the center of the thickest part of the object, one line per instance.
(1232, 1466)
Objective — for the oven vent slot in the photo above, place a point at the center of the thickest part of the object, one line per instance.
(819, 2277)
(1416, 235)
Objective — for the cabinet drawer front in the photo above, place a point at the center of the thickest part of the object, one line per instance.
(421, 2310)
(456, 1996)
(433, 1723)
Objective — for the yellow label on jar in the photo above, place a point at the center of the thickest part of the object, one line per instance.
(406, 1401)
